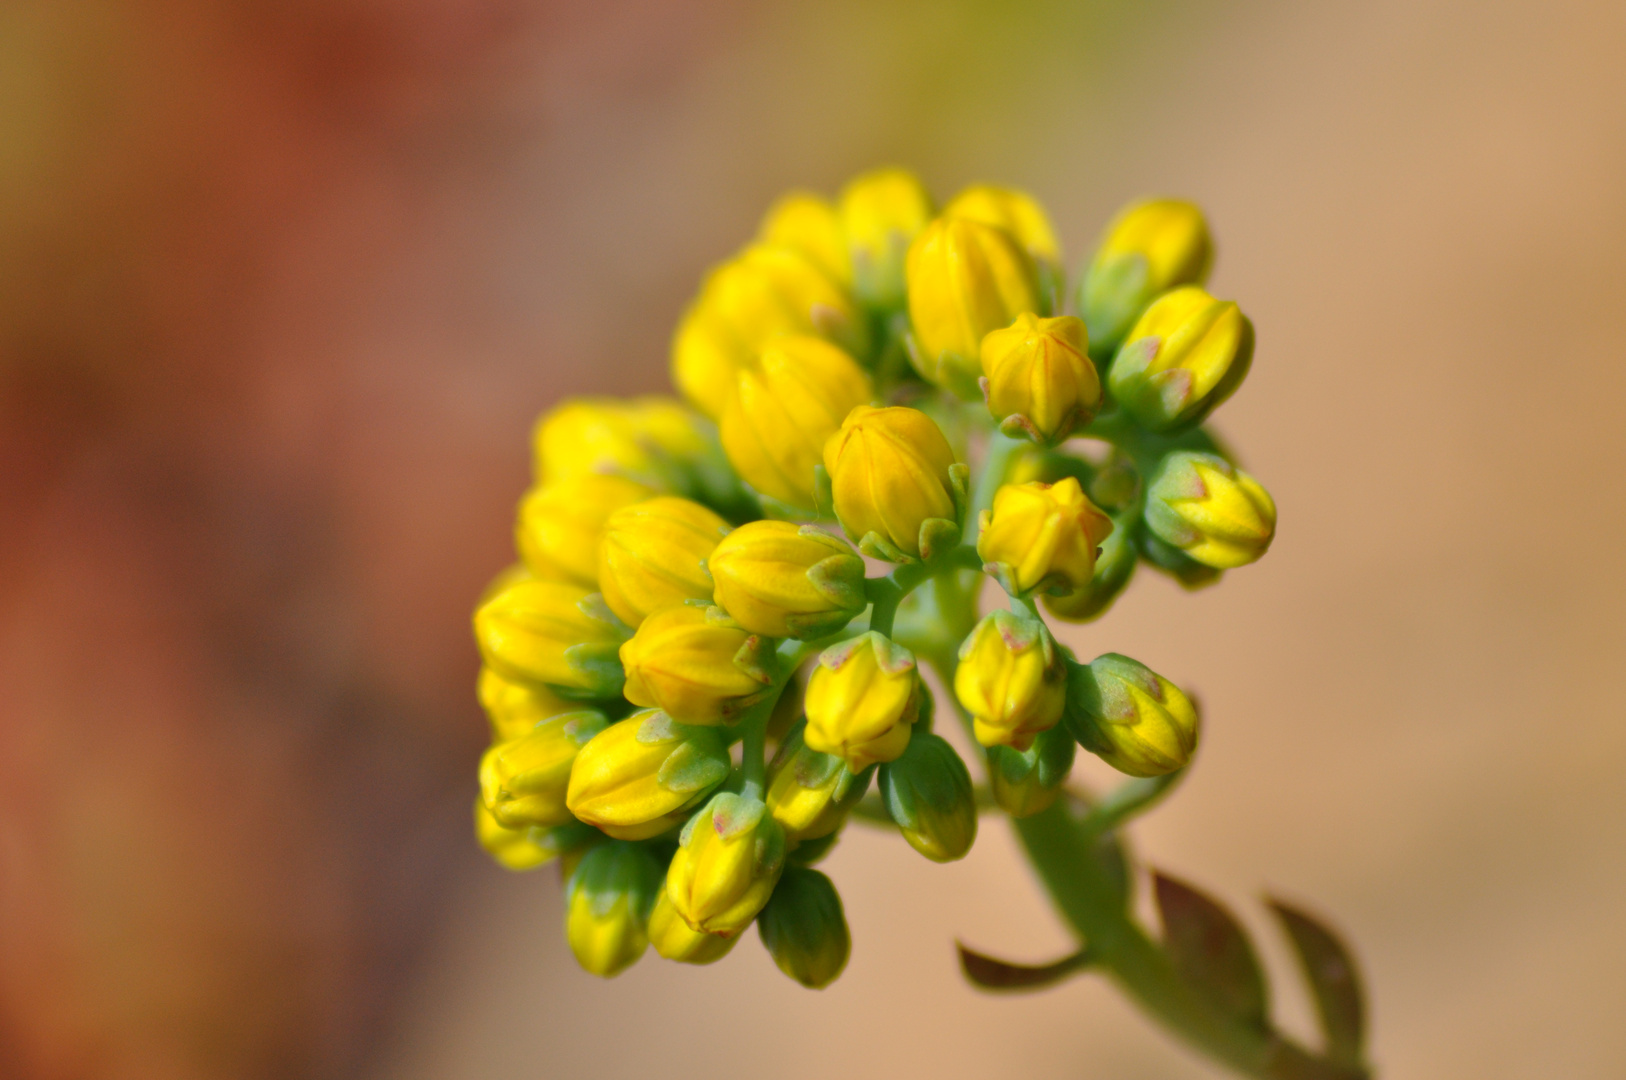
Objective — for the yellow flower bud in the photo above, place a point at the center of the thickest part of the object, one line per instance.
(928, 793)
(1148, 249)
(1133, 718)
(1019, 214)
(524, 848)
(523, 781)
(966, 280)
(810, 793)
(1114, 566)
(1041, 537)
(862, 699)
(1039, 379)
(657, 441)
(697, 666)
(554, 633)
(1185, 356)
(559, 524)
(896, 486)
(653, 554)
(881, 212)
(1024, 782)
(809, 224)
(787, 405)
(1010, 680)
(766, 291)
(729, 859)
(677, 940)
(784, 580)
(515, 708)
(804, 928)
(607, 906)
(637, 777)
(1214, 512)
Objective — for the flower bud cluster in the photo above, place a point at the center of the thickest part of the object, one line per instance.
(685, 568)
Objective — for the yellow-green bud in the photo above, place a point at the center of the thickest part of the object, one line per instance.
(1010, 679)
(523, 782)
(637, 777)
(1214, 512)
(787, 405)
(809, 792)
(653, 554)
(515, 708)
(1025, 782)
(554, 633)
(897, 490)
(1133, 718)
(1114, 565)
(881, 212)
(677, 940)
(527, 847)
(1148, 249)
(784, 580)
(966, 280)
(862, 699)
(809, 223)
(1019, 214)
(1041, 537)
(729, 859)
(559, 524)
(1039, 379)
(1186, 355)
(764, 292)
(696, 664)
(607, 905)
(927, 793)
(804, 928)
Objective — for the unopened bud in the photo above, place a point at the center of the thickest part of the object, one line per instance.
(809, 224)
(523, 782)
(1042, 537)
(809, 792)
(526, 847)
(1114, 566)
(1134, 719)
(862, 699)
(1039, 379)
(804, 928)
(1025, 782)
(1185, 356)
(782, 580)
(607, 904)
(897, 489)
(637, 778)
(881, 212)
(558, 525)
(1010, 679)
(1019, 214)
(731, 855)
(927, 793)
(515, 708)
(675, 939)
(1214, 512)
(696, 665)
(554, 633)
(653, 554)
(1148, 249)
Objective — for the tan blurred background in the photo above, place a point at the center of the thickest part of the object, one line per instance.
(282, 286)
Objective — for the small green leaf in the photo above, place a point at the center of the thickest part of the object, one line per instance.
(1334, 982)
(991, 974)
(1210, 950)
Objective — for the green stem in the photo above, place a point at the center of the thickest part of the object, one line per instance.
(1087, 896)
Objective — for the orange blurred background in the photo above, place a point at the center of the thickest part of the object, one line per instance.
(282, 287)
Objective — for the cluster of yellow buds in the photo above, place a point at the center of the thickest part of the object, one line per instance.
(686, 567)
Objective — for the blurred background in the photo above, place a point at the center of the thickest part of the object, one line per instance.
(283, 285)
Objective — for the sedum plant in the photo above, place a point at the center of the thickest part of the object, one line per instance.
(713, 653)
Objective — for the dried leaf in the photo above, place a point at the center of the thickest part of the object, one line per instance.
(1334, 982)
(1210, 950)
(992, 974)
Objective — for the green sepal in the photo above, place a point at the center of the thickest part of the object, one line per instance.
(1026, 782)
(1170, 560)
(616, 869)
(599, 665)
(758, 658)
(700, 762)
(810, 852)
(804, 928)
(937, 535)
(877, 546)
(928, 793)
